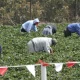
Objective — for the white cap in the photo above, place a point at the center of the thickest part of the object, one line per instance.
(36, 20)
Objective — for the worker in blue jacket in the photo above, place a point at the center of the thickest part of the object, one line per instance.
(30, 25)
(72, 28)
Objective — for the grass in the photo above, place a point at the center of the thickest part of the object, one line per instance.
(14, 44)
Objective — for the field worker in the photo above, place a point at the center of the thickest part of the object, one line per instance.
(41, 44)
(30, 25)
(49, 30)
(72, 28)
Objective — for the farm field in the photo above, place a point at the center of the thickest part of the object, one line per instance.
(14, 52)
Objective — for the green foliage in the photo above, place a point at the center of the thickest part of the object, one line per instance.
(14, 44)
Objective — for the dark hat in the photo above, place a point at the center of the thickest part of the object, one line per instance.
(67, 33)
(53, 29)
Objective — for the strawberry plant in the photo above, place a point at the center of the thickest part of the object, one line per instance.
(14, 52)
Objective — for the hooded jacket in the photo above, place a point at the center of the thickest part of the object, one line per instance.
(29, 25)
(47, 30)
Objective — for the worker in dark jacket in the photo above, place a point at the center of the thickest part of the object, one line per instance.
(72, 28)
(49, 30)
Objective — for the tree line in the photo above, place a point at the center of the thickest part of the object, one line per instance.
(18, 11)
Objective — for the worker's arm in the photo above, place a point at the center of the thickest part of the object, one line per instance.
(51, 51)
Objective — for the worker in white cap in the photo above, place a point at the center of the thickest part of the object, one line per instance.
(41, 44)
(30, 25)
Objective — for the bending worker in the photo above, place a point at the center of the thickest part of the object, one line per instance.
(72, 28)
(49, 30)
(30, 25)
(41, 44)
